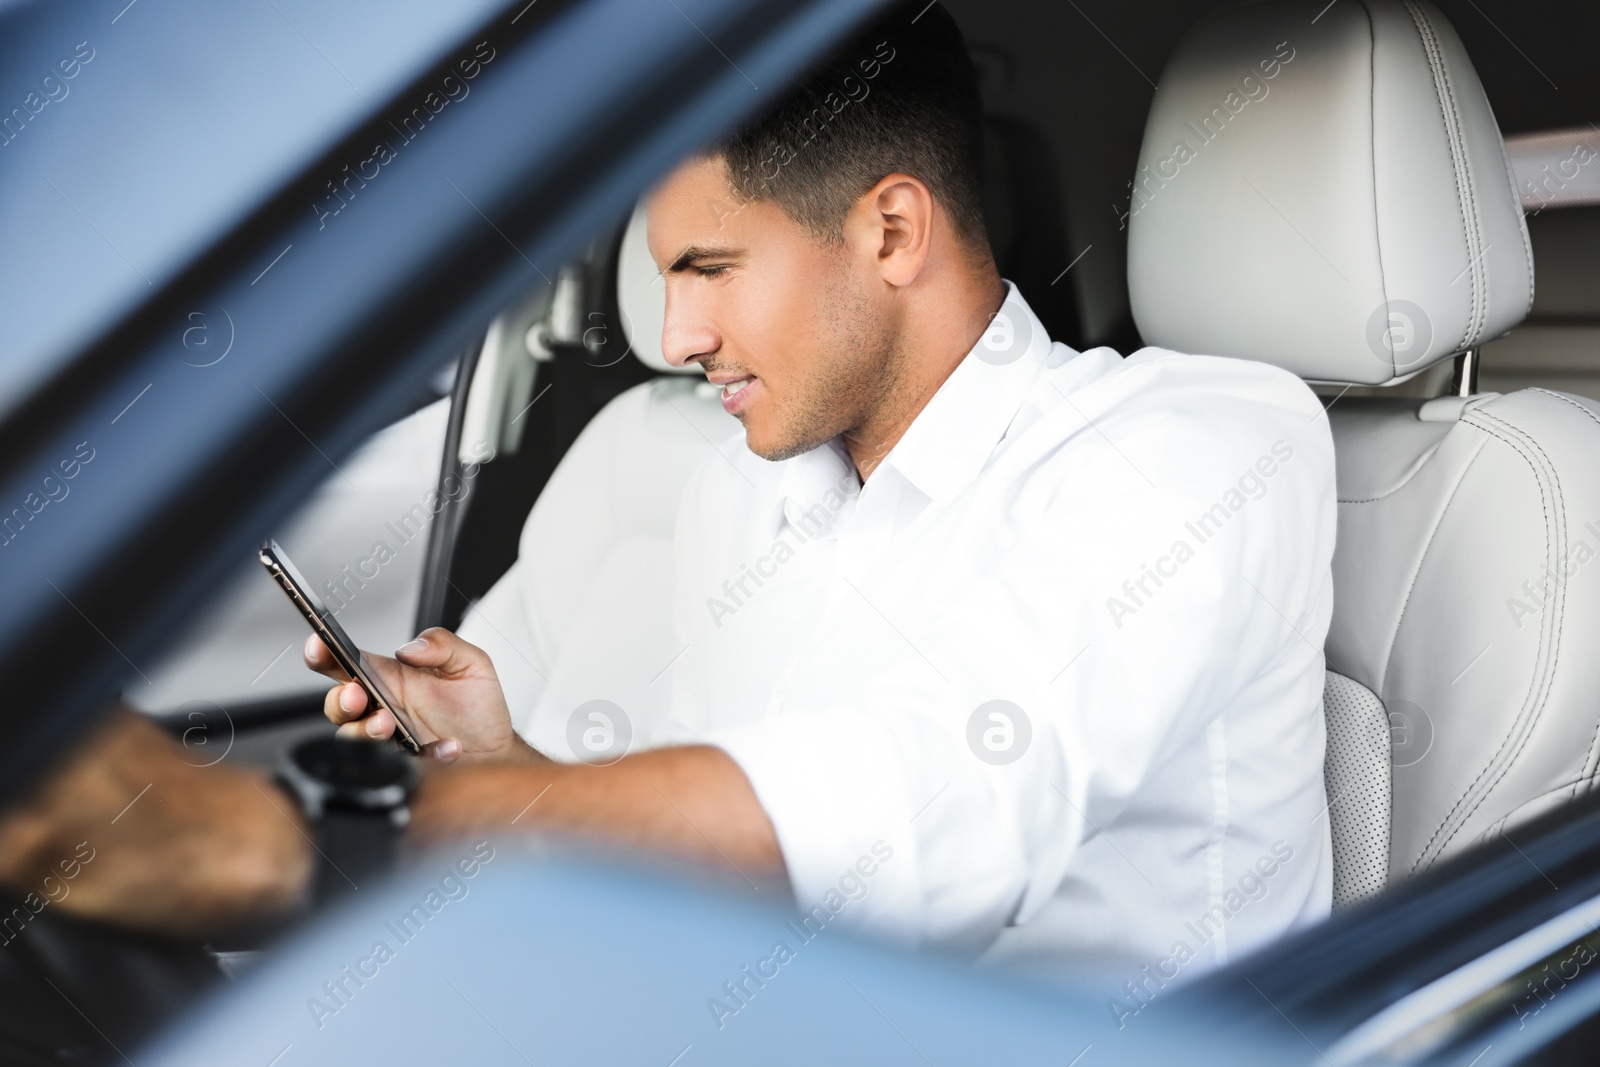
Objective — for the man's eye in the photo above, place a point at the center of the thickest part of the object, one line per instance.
(710, 272)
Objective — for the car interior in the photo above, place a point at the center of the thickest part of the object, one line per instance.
(1357, 176)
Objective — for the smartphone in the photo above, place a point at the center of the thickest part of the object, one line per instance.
(344, 650)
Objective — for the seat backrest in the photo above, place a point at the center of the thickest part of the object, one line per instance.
(1462, 603)
(1325, 188)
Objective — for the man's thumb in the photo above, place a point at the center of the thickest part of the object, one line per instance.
(437, 648)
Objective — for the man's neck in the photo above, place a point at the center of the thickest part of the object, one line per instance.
(937, 338)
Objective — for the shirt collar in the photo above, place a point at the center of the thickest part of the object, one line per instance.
(815, 487)
(952, 437)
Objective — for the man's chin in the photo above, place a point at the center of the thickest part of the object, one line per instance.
(772, 451)
(770, 446)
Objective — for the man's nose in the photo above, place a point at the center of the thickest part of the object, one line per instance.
(687, 332)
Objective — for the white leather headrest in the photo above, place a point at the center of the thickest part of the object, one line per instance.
(643, 297)
(1325, 192)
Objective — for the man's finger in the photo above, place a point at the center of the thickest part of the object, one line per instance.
(345, 703)
(445, 750)
(352, 731)
(330, 706)
(319, 659)
(379, 726)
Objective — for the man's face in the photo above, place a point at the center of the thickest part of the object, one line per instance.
(798, 331)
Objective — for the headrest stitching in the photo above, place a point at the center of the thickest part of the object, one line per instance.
(1464, 191)
(1377, 214)
(1522, 226)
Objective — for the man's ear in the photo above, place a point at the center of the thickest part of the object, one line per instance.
(894, 222)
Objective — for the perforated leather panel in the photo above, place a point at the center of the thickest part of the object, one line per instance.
(1357, 772)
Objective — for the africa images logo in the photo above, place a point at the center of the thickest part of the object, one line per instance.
(998, 732)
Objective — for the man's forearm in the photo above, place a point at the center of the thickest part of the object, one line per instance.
(692, 802)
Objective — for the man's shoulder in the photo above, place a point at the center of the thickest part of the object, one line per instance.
(1161, 378)
(1185, 407)
(1163, 431)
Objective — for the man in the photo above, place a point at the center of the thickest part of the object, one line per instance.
(1046, 658)
(1037, 671)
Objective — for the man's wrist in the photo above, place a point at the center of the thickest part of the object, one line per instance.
(523, 752)
(490, 795)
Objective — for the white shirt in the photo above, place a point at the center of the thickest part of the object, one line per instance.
(1036, 537)
(1133, 552)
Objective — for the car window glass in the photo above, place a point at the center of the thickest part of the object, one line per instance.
(360, 540)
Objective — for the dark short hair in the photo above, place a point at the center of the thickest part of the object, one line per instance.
(899, 95)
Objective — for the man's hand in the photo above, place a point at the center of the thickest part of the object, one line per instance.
(447, 687)
(689, 802)
(126, 832)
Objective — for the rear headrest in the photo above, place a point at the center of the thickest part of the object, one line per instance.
(642, 296)
(1325, 191)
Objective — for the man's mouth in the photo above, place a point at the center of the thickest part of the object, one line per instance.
(736, 392)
